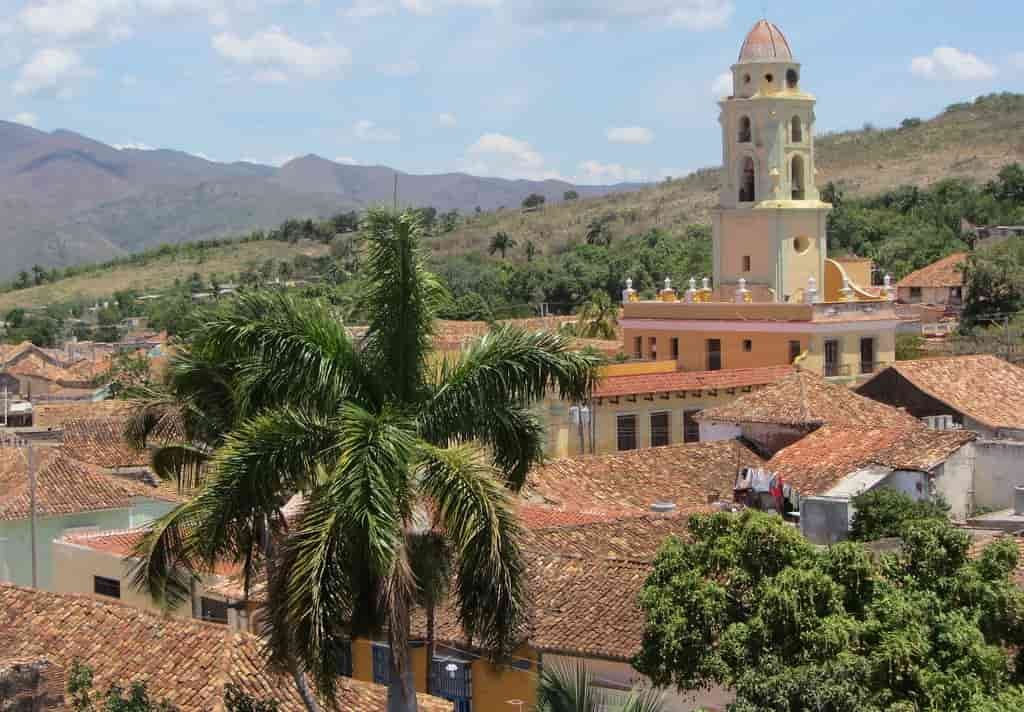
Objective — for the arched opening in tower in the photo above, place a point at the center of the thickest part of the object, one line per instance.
(744, 132)
(796, 130)
(797, 177)
(747, 180)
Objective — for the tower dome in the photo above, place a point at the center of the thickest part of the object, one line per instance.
(765, 43)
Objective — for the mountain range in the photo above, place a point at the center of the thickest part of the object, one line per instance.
(68, 199)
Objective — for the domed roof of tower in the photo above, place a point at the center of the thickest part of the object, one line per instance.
(765, 43)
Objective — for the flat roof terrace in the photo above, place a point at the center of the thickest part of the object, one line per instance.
(635, 314)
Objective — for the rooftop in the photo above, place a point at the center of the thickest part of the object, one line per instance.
(54, 415)
(765, 43)
(985, 388)
(677, 381)
(946, 272)
(66, 486)
(803, 399)
(685, 475)
(186, 662)
(817, 463)
(101, 442)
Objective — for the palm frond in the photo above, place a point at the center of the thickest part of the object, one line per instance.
(164, 559)
(284, 350)
(401, 299)
(181, 463)
(474, 511)
(567, 688)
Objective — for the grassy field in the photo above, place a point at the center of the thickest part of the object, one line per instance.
(158, 274)
(969, 140)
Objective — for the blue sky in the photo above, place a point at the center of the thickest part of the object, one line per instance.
(595, 91)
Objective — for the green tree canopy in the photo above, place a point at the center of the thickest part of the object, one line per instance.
(885, 512)
(748, 603)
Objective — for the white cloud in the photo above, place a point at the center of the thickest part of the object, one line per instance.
(374, 8)
(447, 120)
(346, 160)
(721, 88)
(687, 14)
(495, 154)
(630, 134)
(51, 70)
(366, 130)
(75, 18)
(405, 68)
(952, 64)
(270, 76)
(134, 147)
(275, 51)
(25, 118)
(597, 173)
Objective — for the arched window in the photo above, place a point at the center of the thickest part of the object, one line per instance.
(744, 132)
(792, 78)
(796, 179)
(796, 131)
(747, 180)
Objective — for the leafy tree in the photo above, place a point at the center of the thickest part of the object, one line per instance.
(449, 221)
(570, 195)
(128, 371)
(116, 699)
(909, 347)
(531, 250)
(599, 231)
(284, 402)
(533, 201)
(885, 512)
(24, 281)
(501, 242)
(994, 283)
(571, 688)
(748, 603)
(598, 318)
(237, 700)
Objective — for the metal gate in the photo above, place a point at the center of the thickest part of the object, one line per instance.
(452, 680)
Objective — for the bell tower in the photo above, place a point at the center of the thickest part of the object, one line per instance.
(769, 227)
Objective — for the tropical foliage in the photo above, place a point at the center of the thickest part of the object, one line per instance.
(749, 603)
(885, 512)
(573, 688)
(393, 450)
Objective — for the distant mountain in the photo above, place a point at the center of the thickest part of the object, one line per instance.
(67, 199)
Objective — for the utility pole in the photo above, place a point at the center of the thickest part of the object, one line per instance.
(32, 510)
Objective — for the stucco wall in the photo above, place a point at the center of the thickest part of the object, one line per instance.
(998, 468)
(956, 481)
(767, 348)
(15, 540)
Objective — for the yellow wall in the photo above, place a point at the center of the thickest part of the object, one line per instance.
(493, 684)
(767, 349)
(849, 350)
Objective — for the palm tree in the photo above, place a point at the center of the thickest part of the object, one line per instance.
(598, 232)
(571, 688)
(598, 317)
(390, 446)
(531, 250)
(501, 242)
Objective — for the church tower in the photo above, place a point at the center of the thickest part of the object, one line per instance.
(769, 226)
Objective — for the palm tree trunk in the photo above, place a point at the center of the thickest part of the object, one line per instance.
(302, 685)
(430, 648)
(402, 682)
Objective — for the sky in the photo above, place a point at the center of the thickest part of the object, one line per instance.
(592, 91)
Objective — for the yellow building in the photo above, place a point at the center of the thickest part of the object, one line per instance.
(774, 294)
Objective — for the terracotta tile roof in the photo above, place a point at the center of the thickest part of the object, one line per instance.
(632, 481)
(186, 662)
(34, 365)
(54, 415)
(64, 486)
(984, 388)
(819, 461)
(941, 273)
(119, 543)
(628, 538)
(804, 399)
(542, 517)
(101, 442)
(690, 381)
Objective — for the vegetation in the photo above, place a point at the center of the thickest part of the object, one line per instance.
(115, 699)
(885, 512)
(276, 399)
(748, 603)
(501, 242)
(565, 688)
(994, 284)
(909, 347)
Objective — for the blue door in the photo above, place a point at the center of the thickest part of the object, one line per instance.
(452, 680)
